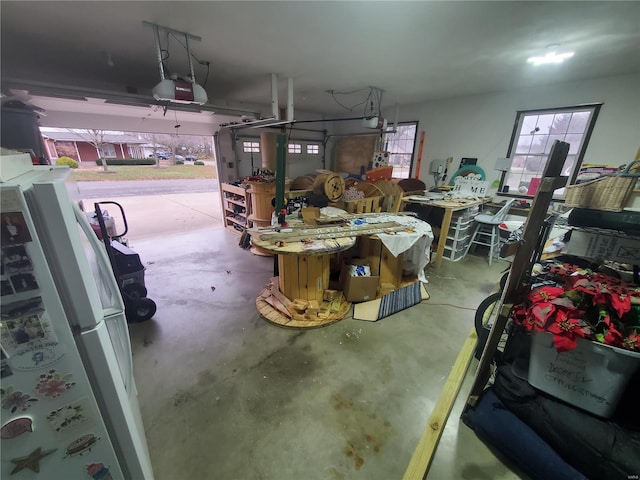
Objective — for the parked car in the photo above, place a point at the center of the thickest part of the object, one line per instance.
(179, 158)
(190, 158)
(160, 155)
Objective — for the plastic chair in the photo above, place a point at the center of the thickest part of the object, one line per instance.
(487, 231)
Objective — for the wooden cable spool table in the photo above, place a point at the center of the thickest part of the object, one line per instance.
(304, 255)
(303, 274)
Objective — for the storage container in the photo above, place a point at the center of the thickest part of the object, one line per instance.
(593, 376)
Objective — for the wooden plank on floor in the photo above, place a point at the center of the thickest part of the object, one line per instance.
(424, 452)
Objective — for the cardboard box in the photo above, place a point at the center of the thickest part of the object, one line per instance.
(604, 244)
(358, 289)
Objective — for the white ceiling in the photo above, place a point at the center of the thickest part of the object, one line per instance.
(415, 51)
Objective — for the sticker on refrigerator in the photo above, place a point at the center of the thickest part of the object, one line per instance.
(15, 259)
(69, 416)
(81, 445)
(98, 471)
(31, 461)
(16, 427)
(14, 229)
(31, 306)
(25, 326)
(15, 400)
(53, 384)
(37, 356)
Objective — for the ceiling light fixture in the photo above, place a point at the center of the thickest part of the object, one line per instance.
(551, 57)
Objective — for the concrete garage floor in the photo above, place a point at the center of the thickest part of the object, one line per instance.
(226, 395)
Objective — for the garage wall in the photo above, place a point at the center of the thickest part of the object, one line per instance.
(298, 164)
(481, 125)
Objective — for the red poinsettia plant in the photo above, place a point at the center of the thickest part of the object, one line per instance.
(583, 304)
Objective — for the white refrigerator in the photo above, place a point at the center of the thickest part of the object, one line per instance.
(69, 400)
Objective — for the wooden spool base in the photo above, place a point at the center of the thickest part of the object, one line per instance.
(273, 316)
(261, 252)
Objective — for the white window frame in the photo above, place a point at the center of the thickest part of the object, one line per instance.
(250, 147)
(109, 150)
(294, 148)
(531, 143)
(313, 149)
(401, 149)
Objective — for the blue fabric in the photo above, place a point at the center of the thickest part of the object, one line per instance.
(502, 430)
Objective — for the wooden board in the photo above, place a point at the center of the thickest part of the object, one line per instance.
(272, 315)
(329, 232)
(423, 454)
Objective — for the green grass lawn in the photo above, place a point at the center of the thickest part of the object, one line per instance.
(144, 172)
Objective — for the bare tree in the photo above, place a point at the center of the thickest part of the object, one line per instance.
(153, 139)
(96, 139)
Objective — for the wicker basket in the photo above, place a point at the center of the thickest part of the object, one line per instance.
(607, 193)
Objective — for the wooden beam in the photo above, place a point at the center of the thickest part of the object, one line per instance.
(522, 263)
(424, 452)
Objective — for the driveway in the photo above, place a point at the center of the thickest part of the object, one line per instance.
(106, 190)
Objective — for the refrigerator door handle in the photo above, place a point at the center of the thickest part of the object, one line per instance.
(101, 256)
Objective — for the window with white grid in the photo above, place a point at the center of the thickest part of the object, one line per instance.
(313, 149)
(294, 148)
(400, 146)
(532, 139)
(248, 147)
(109, 150)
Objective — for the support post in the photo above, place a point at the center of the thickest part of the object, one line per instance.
(275, 111)
(281, 157)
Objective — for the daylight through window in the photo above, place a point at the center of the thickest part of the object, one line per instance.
(400, 146)
(532, 139)
(248, 147)
(295, 148)
(313, 149)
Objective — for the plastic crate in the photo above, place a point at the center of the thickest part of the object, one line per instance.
(592, 376)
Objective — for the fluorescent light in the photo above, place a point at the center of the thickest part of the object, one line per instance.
(551, 57)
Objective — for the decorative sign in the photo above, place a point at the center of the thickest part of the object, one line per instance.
(14, 400)
(470, 186)
(81, 445)
(31, 461)
(52, 384)
(69, 416)
(380, 159)
(16, 427)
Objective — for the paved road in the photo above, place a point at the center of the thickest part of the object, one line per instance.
(145, 187)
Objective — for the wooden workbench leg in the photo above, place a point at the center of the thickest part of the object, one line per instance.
(444, 231)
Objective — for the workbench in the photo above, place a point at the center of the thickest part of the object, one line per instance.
(448, 206)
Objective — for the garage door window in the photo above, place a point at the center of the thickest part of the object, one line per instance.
(295, 148)
(532, 139)
(248, 147)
